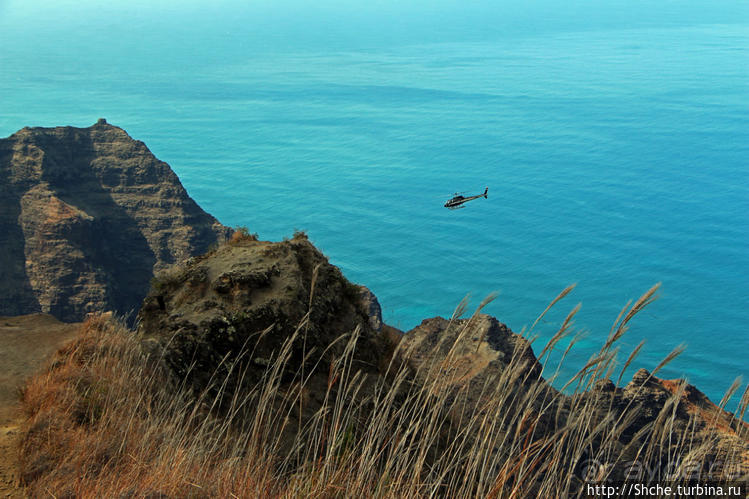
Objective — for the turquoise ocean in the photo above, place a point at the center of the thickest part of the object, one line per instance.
(615, 147)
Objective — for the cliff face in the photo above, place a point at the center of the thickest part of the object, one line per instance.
(472, 357)
(87, 216)
(213, 304)
(252, 296)
(242, 302)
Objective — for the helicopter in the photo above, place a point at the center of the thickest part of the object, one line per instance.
(457, 200)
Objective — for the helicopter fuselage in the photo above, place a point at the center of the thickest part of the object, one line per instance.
(456, 201)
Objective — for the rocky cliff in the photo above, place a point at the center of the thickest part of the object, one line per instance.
(87, 216)
(251, 297)
(479, 358)
(228, 314)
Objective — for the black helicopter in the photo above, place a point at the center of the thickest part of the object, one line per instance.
(457, 200)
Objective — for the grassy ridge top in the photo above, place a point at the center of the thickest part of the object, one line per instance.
(256, 373)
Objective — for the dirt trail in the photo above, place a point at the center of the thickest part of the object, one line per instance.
(25, 343)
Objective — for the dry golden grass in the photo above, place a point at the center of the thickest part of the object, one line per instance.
(241, 234)
(106, 419)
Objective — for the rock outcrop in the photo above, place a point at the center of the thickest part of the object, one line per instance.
(650, 403)
(478, 357)
(243, 301)
(466, 356)
(372, 306)
(86, 217)
(216, 307)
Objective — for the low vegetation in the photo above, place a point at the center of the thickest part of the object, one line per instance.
(107, 419)
(241, 234)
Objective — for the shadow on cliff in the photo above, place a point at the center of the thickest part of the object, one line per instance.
(16, 294)
(114, 251)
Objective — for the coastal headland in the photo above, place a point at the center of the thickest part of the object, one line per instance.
(234, 366)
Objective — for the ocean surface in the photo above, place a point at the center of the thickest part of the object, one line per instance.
(616, 157)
